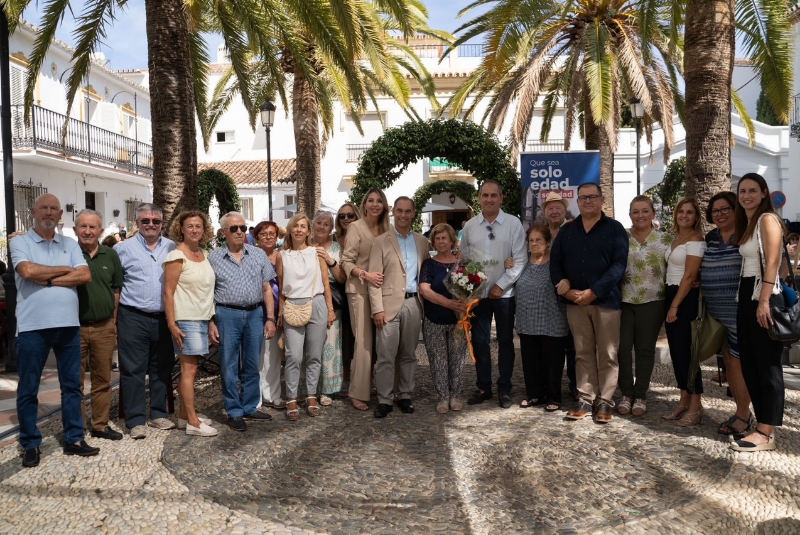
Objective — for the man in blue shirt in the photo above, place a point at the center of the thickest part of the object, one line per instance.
(145, 343)
(397, 306)
(587, 263)
(47, 269)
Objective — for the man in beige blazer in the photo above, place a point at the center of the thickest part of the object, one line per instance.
(397, 307)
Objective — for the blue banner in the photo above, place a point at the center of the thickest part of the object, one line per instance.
(562, 172)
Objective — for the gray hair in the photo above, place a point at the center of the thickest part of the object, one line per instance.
(148, 207)
(321, 214)
(87, 211)
(223, 221)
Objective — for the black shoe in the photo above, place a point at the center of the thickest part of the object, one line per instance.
(258, 416)
(406, 406)
(82, 448)
(505, 401)
(479, 397)
(114, 367)
(31, 458)
(383, 409)
(237, 424)
(107, 433)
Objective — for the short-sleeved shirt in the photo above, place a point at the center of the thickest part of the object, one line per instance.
(144, 277)
(96, 299)
(194, 294)
(644, 275)
(539, 310)
(676, 259)
(434, 273)
(40, 307)
(240, 283)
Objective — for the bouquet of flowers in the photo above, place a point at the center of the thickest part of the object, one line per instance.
(466, 281)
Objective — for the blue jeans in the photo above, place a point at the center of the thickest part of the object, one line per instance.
(503, 311)
(241, 334)
(33, 347)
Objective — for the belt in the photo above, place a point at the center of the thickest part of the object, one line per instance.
(247, 308)
(89, 323)
(410, 294)
(143, 312)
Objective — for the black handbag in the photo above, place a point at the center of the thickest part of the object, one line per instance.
(784, 307)
(338, 296)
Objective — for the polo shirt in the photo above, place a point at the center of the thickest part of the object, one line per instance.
(40, 307)
(96, 299)
(593, 260)
(142, 271)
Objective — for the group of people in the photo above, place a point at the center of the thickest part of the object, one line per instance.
(340, 307)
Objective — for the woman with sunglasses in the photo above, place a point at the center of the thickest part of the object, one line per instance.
(347, 215)
(266, 234)
(355, 261)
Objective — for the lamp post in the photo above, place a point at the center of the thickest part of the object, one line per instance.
(135, 129)
(268, 119)
(637, 112)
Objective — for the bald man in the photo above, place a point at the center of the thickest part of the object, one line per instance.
(47, 268)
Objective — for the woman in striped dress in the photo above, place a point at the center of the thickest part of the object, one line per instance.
(719, 279)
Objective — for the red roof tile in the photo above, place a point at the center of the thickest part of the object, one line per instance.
(253, 173)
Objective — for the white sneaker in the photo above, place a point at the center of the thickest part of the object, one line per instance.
(138, 432)
(204, 430)
(200, 416)
(164, 424)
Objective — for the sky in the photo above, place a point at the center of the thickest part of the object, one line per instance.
(126, 45)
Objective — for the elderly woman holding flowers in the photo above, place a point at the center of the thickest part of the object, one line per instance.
(445, 345)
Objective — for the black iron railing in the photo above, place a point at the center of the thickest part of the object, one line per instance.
(795, 126)
(83, 140)
(354, 152)
(552, 145)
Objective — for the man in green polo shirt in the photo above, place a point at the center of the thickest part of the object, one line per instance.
(98, 302)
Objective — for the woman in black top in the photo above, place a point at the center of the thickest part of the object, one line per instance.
(445, 345)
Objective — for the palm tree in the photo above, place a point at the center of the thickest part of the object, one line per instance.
(584, 55)
(377, 63)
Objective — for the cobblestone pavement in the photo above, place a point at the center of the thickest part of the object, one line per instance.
(484, 470)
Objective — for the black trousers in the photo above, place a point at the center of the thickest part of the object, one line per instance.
(761, 359)
(543, 365)
(679, 336)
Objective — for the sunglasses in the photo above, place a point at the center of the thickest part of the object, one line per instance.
(147, 220)
(233, 228)
(346, 215)
(491, 231)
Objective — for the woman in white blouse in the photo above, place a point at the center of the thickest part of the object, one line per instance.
(303, 276)
(683, 268)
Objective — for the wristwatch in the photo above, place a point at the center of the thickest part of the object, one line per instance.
(49, 283)
(332, 265)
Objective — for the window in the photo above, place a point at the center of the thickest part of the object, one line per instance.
(225, 137)
(90, 198)
(247, 208)
(130, 212)
(24, 196)
(289, 199)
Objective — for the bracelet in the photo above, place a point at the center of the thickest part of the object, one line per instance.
(362, 275)
(770, 282)
(271, 319)
(332, 265)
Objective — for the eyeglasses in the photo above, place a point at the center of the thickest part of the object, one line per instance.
(346, 215)
(588, 198)
(264, 235)
(721, 211)
(491, 231)
(147, 220)
(233, 228)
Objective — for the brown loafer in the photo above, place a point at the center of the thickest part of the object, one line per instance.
(603, 415)
(581, 412)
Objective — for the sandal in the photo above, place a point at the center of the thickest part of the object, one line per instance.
(312, 410)
(675, 414)
(552, 407)
(639, 407)
(745, 445)
(692, 418)
(325, 401)
(359, 405)
(529, 402)
(442, 407)
(727, 427)
(624, 406)
(292, 412)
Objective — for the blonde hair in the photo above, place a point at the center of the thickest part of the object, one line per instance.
(443, 227)
(320, 215)
(383, 221)
(642, 198)
(340, 231)
(693, 202)
(293, 222)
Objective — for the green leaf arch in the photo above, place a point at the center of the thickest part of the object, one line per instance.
(463, 143)
(213, 182)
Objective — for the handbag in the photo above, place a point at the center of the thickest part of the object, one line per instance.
(337, 295)
(708, 334)
(784, 306)
(299, 315)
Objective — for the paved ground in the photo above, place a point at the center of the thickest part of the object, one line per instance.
(484, 470)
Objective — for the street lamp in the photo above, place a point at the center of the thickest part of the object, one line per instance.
(268, 119)
(135, 129)
(637, 112)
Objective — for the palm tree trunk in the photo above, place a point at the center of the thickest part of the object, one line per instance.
(307, 145)
(172, 107)
(597, 139)
(708, 63)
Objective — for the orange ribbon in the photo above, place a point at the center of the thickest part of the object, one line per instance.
(465, 324)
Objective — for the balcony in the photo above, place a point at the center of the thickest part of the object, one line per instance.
(553, 145)
(440, 165)
(795, 124)
(354, 152)
(83, 140)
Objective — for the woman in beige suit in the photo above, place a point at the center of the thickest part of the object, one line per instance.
(355, 260)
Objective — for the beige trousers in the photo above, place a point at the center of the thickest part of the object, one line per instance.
(596, 333)
(361, 365)
(396, 345)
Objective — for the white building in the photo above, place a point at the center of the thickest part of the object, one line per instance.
(106, 160)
